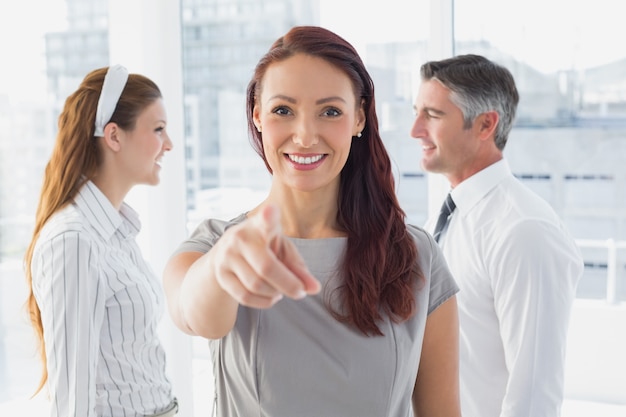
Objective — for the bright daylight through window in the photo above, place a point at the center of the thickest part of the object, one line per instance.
(568, 142)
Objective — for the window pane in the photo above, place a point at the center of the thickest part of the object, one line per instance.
(27, 125)
(568, 141)
(222, 44)
(392, 53)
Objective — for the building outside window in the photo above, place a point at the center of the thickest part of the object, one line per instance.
(567, 144)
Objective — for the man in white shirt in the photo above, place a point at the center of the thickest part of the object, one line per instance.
(516, 264)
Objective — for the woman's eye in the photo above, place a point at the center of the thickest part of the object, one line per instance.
(281, 110)
(332, 112)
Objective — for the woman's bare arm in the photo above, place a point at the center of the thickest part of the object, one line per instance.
(196, 303)
(252, 264)
(436, 392)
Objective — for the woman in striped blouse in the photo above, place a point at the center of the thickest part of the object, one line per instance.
(94, 302)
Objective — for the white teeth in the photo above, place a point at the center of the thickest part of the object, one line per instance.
(305, 160)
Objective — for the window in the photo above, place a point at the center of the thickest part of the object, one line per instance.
(568, 143)
(569, 135)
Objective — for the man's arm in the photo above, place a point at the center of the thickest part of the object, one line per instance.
(535, 271)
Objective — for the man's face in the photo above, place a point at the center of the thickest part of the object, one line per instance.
(447, 147)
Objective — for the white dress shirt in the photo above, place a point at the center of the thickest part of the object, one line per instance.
(517, 268)
(100, 306)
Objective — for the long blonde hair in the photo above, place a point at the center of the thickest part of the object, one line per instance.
(75, 159)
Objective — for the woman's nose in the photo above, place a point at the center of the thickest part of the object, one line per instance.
(167, 143)
(305, 134)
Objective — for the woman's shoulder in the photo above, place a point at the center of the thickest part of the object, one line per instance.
(429, 252)
(216, 227)
(67, 228)
(206, 233)
(422, 238)
(68, 220)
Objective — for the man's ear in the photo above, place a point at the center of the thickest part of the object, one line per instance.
(486, 124)
(112, 138)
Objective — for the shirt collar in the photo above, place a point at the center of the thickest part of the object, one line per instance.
(101, 214)
(469, 192)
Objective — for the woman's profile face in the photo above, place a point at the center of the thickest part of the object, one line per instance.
(308, 113)
(144, 146)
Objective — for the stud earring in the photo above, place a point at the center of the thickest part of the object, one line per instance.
(258, 128)
(358, 135)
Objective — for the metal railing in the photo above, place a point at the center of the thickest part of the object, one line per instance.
(611, 246)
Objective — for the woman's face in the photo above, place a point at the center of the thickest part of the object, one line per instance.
(145, 145)
(308, 113)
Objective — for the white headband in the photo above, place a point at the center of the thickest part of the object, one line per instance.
(114, 82)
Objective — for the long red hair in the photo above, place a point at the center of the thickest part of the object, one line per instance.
(75, 159)
(380, 269)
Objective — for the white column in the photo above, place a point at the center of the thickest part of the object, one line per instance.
(440, 46)
(145, 36)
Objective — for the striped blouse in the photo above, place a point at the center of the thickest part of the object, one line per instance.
(100, 305)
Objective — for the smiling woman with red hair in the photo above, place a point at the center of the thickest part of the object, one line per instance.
(321, 301)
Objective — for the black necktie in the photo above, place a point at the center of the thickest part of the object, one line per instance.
(447, 208)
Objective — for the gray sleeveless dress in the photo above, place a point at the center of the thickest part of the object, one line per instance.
(296, 360)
